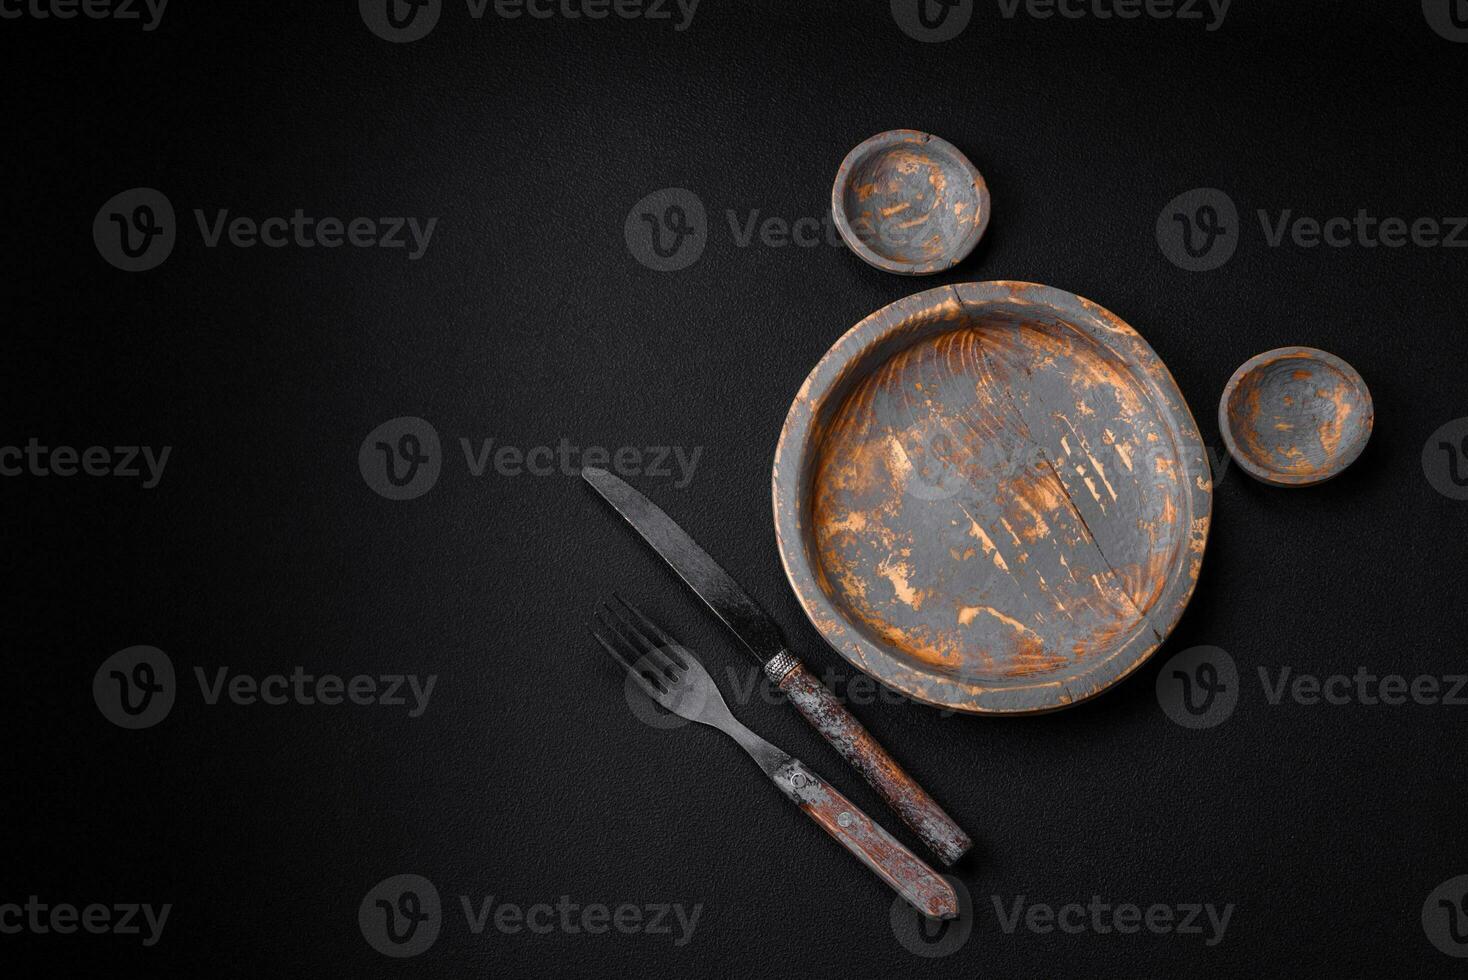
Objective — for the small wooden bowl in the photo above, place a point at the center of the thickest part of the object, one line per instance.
(1295, 416)
(992, 498)
(910, 203)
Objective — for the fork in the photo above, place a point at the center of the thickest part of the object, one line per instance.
(672, 676)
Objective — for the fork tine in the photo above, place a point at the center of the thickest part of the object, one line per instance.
(645, 656)
(637, 675)
(646, 647)
(627, 646)
(666, 643)
(634, 656)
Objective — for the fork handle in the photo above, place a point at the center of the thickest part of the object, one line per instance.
(923, 889)
(865, 754)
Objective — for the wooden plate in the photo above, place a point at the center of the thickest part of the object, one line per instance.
(910, 203)
(992, 497)
(1295, 416)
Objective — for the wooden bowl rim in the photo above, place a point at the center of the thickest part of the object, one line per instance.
(795, 451)
(1274, 477)
(940, 146)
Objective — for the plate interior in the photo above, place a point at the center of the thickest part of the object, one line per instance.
(1000, 502)
(911, 202)
(1298, 416)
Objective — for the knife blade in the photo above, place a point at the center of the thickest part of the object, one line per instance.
(761, 637)
(756, 631)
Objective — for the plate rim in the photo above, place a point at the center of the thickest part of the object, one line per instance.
(1105, 328)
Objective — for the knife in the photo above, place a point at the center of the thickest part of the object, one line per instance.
(761, 637)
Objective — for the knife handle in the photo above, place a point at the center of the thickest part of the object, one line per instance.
(903, 870)
(857, 746)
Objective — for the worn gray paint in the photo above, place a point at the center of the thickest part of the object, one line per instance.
(1295, 416)
(910, 203)
(992, 497)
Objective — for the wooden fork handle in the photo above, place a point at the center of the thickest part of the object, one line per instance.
(919, 884)
(857, 746)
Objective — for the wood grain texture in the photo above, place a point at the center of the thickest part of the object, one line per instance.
(904, 871)
(910, 203)
(1295, 416)
(857, 746)
(992, 497)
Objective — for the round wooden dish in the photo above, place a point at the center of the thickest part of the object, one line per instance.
(910, 203)
(992, 497)
(1295, 416)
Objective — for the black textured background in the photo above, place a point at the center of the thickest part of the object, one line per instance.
(528, 321)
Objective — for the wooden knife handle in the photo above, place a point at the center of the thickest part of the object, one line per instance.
(857, 746)
(919, 884)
